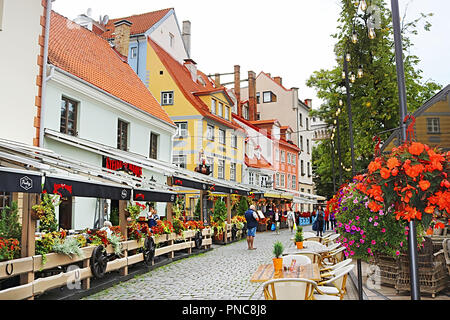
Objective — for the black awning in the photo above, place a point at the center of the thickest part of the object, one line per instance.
(20, 182)
(156, 196)
(214, 188)
(69, 188)
(239, 192)
(182, 182)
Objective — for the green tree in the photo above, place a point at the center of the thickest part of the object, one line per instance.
(10, 227)
(243, 206)
(197, 211)
(374, 97)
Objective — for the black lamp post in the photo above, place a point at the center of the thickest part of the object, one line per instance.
(412, 240)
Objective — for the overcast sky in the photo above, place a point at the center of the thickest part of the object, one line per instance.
(287, 38)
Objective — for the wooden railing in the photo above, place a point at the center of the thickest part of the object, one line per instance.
(30, 265)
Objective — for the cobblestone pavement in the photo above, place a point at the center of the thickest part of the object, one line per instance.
(220, 274)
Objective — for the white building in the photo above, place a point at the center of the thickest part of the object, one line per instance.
(98, 111)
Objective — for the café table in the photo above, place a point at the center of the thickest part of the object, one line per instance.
(266, 272)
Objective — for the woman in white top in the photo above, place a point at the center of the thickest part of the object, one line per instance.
(290, 219)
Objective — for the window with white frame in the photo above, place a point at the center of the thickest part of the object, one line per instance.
(210, 162)
(433, 125)
(233, 171)
(302, 167)
(294, 159)
(258, 98)
(282, 180)
(221, 169)
(233, 140)
(227, 113)
(182, 129)
(269, 96)
(289, 158)
(251, 178)
(179, 160)
(277, 179)
(220, 111)
(213, 106)
(221, 136)
(210, 133)
(277, 155)
(133, 54)
(309, 169)
(245, 112)
(167, 98)
(294, 182)
(283, 156)
(288, 181)
(307, 145)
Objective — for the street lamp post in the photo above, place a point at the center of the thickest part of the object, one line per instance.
(350, 128)
(412, 240)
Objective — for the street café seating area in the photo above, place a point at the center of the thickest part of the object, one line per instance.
(319, 271)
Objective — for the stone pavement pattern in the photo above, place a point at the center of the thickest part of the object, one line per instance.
(220, 274)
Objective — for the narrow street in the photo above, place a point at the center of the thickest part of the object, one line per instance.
(221, 274)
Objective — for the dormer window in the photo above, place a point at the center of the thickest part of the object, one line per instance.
(269, 96)
(213, 106)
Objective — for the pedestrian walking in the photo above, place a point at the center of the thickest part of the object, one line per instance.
(327, 220)
(332, 220)
(319, 221)
(252, 223)
(277, 220)
(290, 219)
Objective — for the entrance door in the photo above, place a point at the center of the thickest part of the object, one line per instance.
(65, 213)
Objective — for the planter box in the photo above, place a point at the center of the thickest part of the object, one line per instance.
(189, 233)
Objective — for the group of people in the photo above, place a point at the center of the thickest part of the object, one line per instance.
(322, 221)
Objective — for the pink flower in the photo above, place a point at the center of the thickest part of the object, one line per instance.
(375, 224)
(397, 253)
(406, 233)
(352, 253)
(357, 218)
(401, 244)
(373, 242)
(364, 236)
(383, 230)
(376, 218)
(361, 240)
(370, 219)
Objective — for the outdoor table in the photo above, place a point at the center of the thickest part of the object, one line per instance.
(267, 272)
(294, 250)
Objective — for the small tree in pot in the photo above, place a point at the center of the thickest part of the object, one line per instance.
(278, 251)
(299, 238)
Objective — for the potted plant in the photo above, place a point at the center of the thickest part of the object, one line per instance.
(278, 251)
(299, 238)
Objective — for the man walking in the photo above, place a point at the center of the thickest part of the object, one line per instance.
(252, 222)
(319, 220)
(290, 219)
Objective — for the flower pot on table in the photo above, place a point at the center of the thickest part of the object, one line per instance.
(277, 264)
(299, 245)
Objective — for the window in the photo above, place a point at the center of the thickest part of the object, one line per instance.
(171, 40)
(301, 143)
(213, 106)
(301, 119)
(153, 146)
(269, 96)
(258, 116)
(283, 156)
(233, 171)
(288, 185)
(283, 180)
(306, 120)
(210, 133)
(227, 113)
(307, 145)
(251, 178)
(245, 112)
(302, 167)
(179, 161)
(289, 158)
(68, 122)
(182, 129)
(133, 54)
(220, 112)
(294, 182)
(210, 162)
(233, 140)
(309, 169)
(221, 136)
(122, 135)
(277, 179)
(257, 97)
(294, 159)
(167, 98)
(433, 125)
(221, 169)
(277, 155)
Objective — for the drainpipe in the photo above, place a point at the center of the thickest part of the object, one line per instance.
(44, 71)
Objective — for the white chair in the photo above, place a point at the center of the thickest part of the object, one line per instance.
(313, 256)
(293, 289)
(335, 286)
(333, 257)
(333, 246)
(307, 235)
(313, 245)
(339, 265)
(299, 260)
(332, 272)
(330, 239)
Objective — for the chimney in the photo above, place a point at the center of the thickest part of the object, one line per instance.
(122, 36)
(217, 80)
(278, 80)
(237, 88)
(252, 107)
(186, 36)
(191, 65)
(308, 102)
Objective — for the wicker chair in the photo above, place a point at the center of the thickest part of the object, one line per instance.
(332, 268)
(313, 256)
(294, 289)
(329, 240)
(333, 257)
(446, 251)
(299, 260)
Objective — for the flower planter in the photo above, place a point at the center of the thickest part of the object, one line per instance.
(34, 215)
(277, 264)
(299, 245)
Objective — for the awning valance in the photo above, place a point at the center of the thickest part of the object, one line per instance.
(187, 183)
(20, 181)
(156, 196)
(68, 188)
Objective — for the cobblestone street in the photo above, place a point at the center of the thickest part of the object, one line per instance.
(221, 274)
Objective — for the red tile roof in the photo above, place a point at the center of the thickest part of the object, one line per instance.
(89, 57)
(257, 163)
(140, 22)
(189, 88)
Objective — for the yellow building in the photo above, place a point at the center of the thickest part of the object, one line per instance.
(432, 123)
